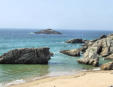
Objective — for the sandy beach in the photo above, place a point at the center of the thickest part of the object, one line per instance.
(83, 79)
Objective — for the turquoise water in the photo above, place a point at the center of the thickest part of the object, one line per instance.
(58, 65)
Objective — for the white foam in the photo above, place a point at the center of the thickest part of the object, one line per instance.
(1, 85)
(61, 42)
(16, 82)
(97, 68)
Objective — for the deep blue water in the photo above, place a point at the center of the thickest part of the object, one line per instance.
(58, 65)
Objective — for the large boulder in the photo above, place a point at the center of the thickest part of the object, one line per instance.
(107, 46)
(48, 31)
(90, 57)
(75, 41)
(87, 61)
(107, 66)
(26, 56)
(73, 52)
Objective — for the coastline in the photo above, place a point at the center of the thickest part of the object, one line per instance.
(50, 75)
(60, 62)
(92, 78)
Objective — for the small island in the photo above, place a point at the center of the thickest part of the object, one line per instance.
(48, 31)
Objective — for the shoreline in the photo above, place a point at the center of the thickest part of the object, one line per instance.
(22, 81)
(49, 75)
(94, 78)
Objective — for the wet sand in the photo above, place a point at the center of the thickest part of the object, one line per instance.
(82, 79)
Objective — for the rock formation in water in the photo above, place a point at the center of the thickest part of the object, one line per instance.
(102, 47)
(75, 41)
(48, 31)
(73, 52)
(26, 56)
(90, 57)
(93, 50)
(107, 66)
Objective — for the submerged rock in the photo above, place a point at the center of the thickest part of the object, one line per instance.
(107, 66)
(26, 56)
(48, 31)
(75, 41)
(74, 52)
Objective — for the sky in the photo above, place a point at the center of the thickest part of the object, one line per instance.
(57, 14)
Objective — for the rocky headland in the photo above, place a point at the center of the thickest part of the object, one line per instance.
(26, 56)
(48, 31)
(93, 50)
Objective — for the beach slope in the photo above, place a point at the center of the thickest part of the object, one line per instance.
(83, 79)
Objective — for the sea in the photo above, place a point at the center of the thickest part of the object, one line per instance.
(59, 64)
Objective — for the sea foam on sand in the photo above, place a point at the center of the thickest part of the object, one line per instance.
(15, 82)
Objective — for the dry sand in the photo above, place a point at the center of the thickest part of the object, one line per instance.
(83, 79)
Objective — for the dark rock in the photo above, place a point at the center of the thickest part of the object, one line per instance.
(75, 41)
(111, 86)
(52, 54)
(86, 45)
(26, 56)
(83, 49)
(74, 52)
(103, 36)
(48, 31)
(107, 66)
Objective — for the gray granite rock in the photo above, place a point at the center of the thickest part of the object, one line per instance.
(102, 47)
(26, 56)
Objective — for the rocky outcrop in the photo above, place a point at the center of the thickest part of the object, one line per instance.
(101, 47)
(107, 66)
(26, 56)
(75, 41)
(74, 52)
(90, 57)
(86, 45)
(83, 49)
(48, 31)
(87, 61)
